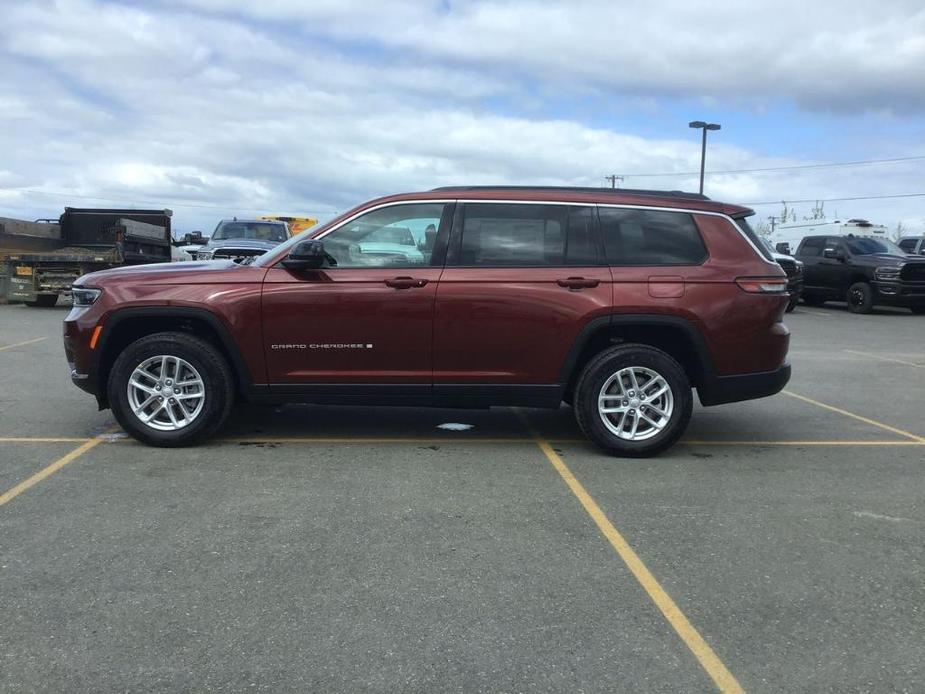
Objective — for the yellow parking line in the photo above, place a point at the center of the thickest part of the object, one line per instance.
(22, 344)
(802, 443)
(858, 417)
(691, 637)
(876, 356)
(13, 492)
(41, 439)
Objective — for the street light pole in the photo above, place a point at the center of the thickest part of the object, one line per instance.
(702, 125)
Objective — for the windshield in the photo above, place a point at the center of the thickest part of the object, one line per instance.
(867, 246)
(267, 258)
(257, 231)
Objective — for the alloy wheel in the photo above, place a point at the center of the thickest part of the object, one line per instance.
(166, 393)
(635, 403)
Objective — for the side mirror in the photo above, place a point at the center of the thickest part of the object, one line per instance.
(833, 253)
(305, 255)
(783, 248)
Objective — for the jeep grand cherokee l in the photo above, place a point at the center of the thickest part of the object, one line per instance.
(616, 302)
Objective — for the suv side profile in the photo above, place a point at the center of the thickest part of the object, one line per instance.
(616, 302)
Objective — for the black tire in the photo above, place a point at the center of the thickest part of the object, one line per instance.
(792, 304)
(813, 299)
(860, 298)
(217, 378)
(43, 301)
(918, 310)
(596, 374)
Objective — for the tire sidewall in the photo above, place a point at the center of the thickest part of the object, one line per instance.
(867, 304)
(602, 368)
(201, 355)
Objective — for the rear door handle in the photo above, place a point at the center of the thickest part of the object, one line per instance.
(577, 283)
(405, 282)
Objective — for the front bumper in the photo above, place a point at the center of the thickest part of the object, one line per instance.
(718, 390)
(899, 293)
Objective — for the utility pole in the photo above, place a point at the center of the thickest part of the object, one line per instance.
(613, 180)
(773, 221)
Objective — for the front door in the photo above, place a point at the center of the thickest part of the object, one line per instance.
(366, 316)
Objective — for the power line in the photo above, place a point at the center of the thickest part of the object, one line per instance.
(865, 162)
(861, 197)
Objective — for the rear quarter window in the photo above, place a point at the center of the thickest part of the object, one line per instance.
(650, 237)
(750, 234)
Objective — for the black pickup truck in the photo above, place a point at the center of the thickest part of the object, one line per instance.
(861, 270)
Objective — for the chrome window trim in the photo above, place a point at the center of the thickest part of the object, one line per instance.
(569, 203)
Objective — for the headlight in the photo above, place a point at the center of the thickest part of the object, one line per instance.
(888, 273)
(84, 296)
(204, 255)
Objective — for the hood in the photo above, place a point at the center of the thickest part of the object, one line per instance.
(885, 259)
(155, 271)
(255, 244)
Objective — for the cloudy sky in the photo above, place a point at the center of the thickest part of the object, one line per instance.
(217, 108)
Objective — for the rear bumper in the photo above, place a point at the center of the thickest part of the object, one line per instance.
(719, 390)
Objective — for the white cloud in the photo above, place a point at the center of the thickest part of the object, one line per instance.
(214, 114)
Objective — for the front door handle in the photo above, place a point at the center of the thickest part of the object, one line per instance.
(405, 282)
(577, 283)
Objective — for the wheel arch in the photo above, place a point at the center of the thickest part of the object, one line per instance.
(674, 335)
(126, 325)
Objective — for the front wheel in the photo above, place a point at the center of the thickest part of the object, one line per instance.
(170, 389)
(918, 310)
(792, 304)
(633, 401)
(43, 300)
(860, 298)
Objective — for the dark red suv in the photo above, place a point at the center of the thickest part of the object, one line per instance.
(616, 302)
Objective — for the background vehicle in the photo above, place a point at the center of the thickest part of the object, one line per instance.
(296, 224)
(43, 258)
(794, 270)
(913, 245)
(863, 271)
(617, 302)
(189, 246)
(788, 235)
(238, 239)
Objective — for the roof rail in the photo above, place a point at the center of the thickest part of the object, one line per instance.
(579, 189)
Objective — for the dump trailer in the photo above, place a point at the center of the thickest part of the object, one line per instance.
(41, 259)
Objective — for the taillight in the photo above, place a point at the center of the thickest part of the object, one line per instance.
(762, 285)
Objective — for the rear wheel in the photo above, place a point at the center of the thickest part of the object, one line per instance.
(170, 389)
(860, 298)
(813, 300)
(633, 400)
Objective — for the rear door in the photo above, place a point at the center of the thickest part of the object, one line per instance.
(521, 281)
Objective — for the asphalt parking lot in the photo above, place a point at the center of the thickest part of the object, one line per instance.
(781, 547)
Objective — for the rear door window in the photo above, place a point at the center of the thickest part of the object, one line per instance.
(526, 235)
(650, 237)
